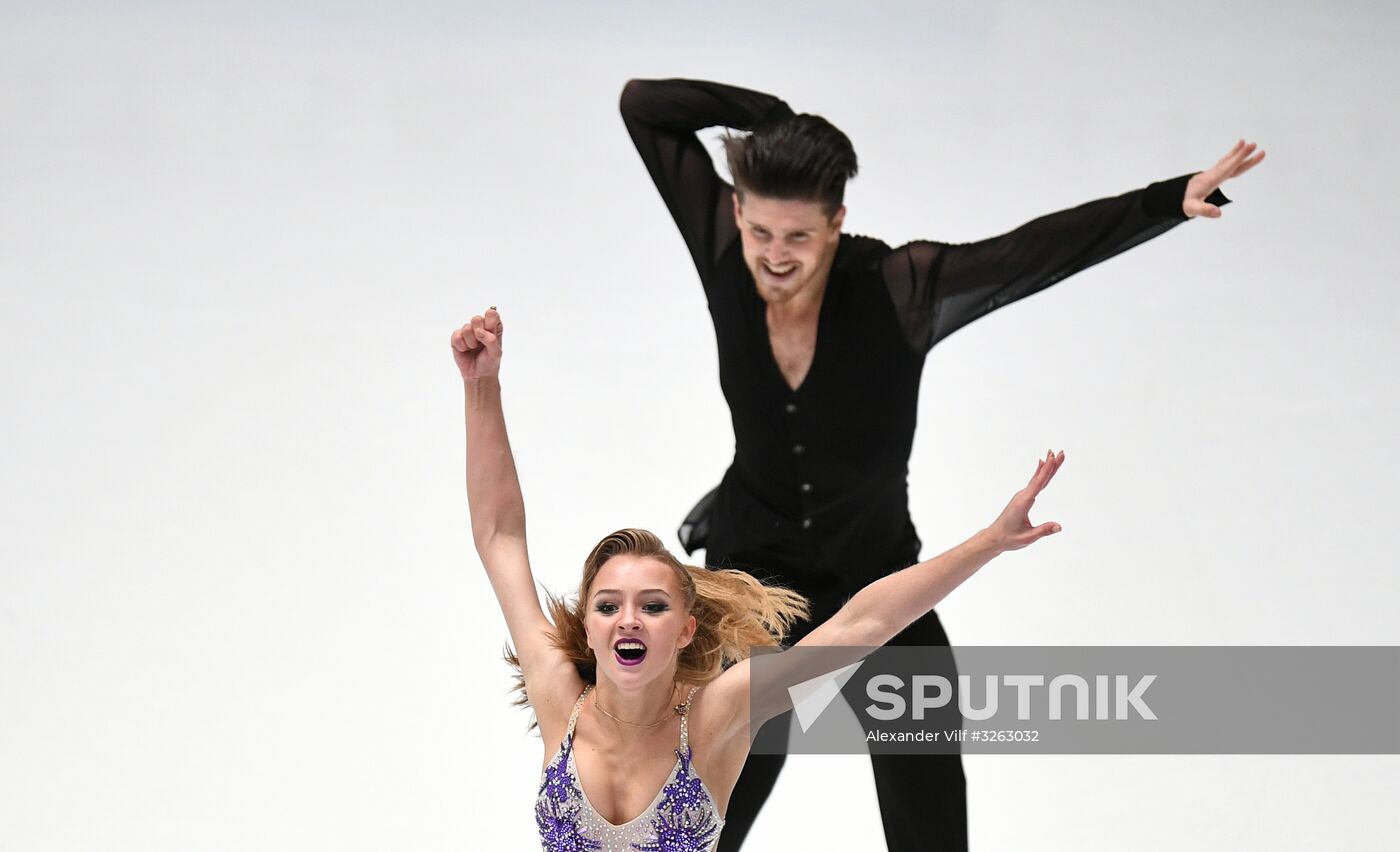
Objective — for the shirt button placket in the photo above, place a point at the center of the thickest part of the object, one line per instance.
(799, 452)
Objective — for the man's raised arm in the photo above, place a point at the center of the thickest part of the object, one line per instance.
(938, 288)
(662, 117)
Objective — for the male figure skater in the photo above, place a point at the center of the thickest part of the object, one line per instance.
(822, 338)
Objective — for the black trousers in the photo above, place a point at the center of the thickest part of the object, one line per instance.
(923, 798)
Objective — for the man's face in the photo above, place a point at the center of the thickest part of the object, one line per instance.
(788, 245)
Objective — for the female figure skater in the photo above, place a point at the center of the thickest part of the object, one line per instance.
(631, 679)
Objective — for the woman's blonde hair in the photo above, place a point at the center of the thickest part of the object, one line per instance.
(733, 613)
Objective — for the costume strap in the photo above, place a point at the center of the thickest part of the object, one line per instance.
(578, 705)
(683, 710)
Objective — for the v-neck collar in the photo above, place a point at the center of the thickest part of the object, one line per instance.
(823, 312)
(572, 768)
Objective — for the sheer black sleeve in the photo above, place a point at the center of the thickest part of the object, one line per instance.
(938, 288)
(662, 117)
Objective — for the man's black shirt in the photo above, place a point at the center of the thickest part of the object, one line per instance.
(817, 494)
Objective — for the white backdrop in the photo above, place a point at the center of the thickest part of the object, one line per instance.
(239, 607)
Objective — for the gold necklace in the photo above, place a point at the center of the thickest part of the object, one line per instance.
(597, 702)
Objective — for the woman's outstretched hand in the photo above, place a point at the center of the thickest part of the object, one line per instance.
(1013, 529)
(476, 346)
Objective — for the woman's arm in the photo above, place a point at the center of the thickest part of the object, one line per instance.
(493, 494)
(874, 616)
(878, 612)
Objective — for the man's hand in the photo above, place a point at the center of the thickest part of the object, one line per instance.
(476, 346)
(1232, 165)
(1013, 529)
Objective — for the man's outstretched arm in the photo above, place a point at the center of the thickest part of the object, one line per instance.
(938, 288)
(663, 116)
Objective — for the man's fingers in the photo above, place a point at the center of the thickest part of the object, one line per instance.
(1239, 160)
(1248, 164)
(1231, 154)
(1242, 149)
(1223, 166)
(493, 321)
(1234, 162)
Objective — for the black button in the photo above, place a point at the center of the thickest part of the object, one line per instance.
(798, 449)
(806, 523)
(806, 488)
(790, 408)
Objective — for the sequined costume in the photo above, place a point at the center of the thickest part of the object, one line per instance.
(682, 817)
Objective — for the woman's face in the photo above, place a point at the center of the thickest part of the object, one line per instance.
(636, 620)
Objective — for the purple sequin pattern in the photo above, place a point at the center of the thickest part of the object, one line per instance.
(557, 809)
(685, 818)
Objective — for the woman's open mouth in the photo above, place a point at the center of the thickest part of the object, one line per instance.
(629, 652)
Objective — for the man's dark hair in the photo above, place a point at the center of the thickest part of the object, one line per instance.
(800, 158)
